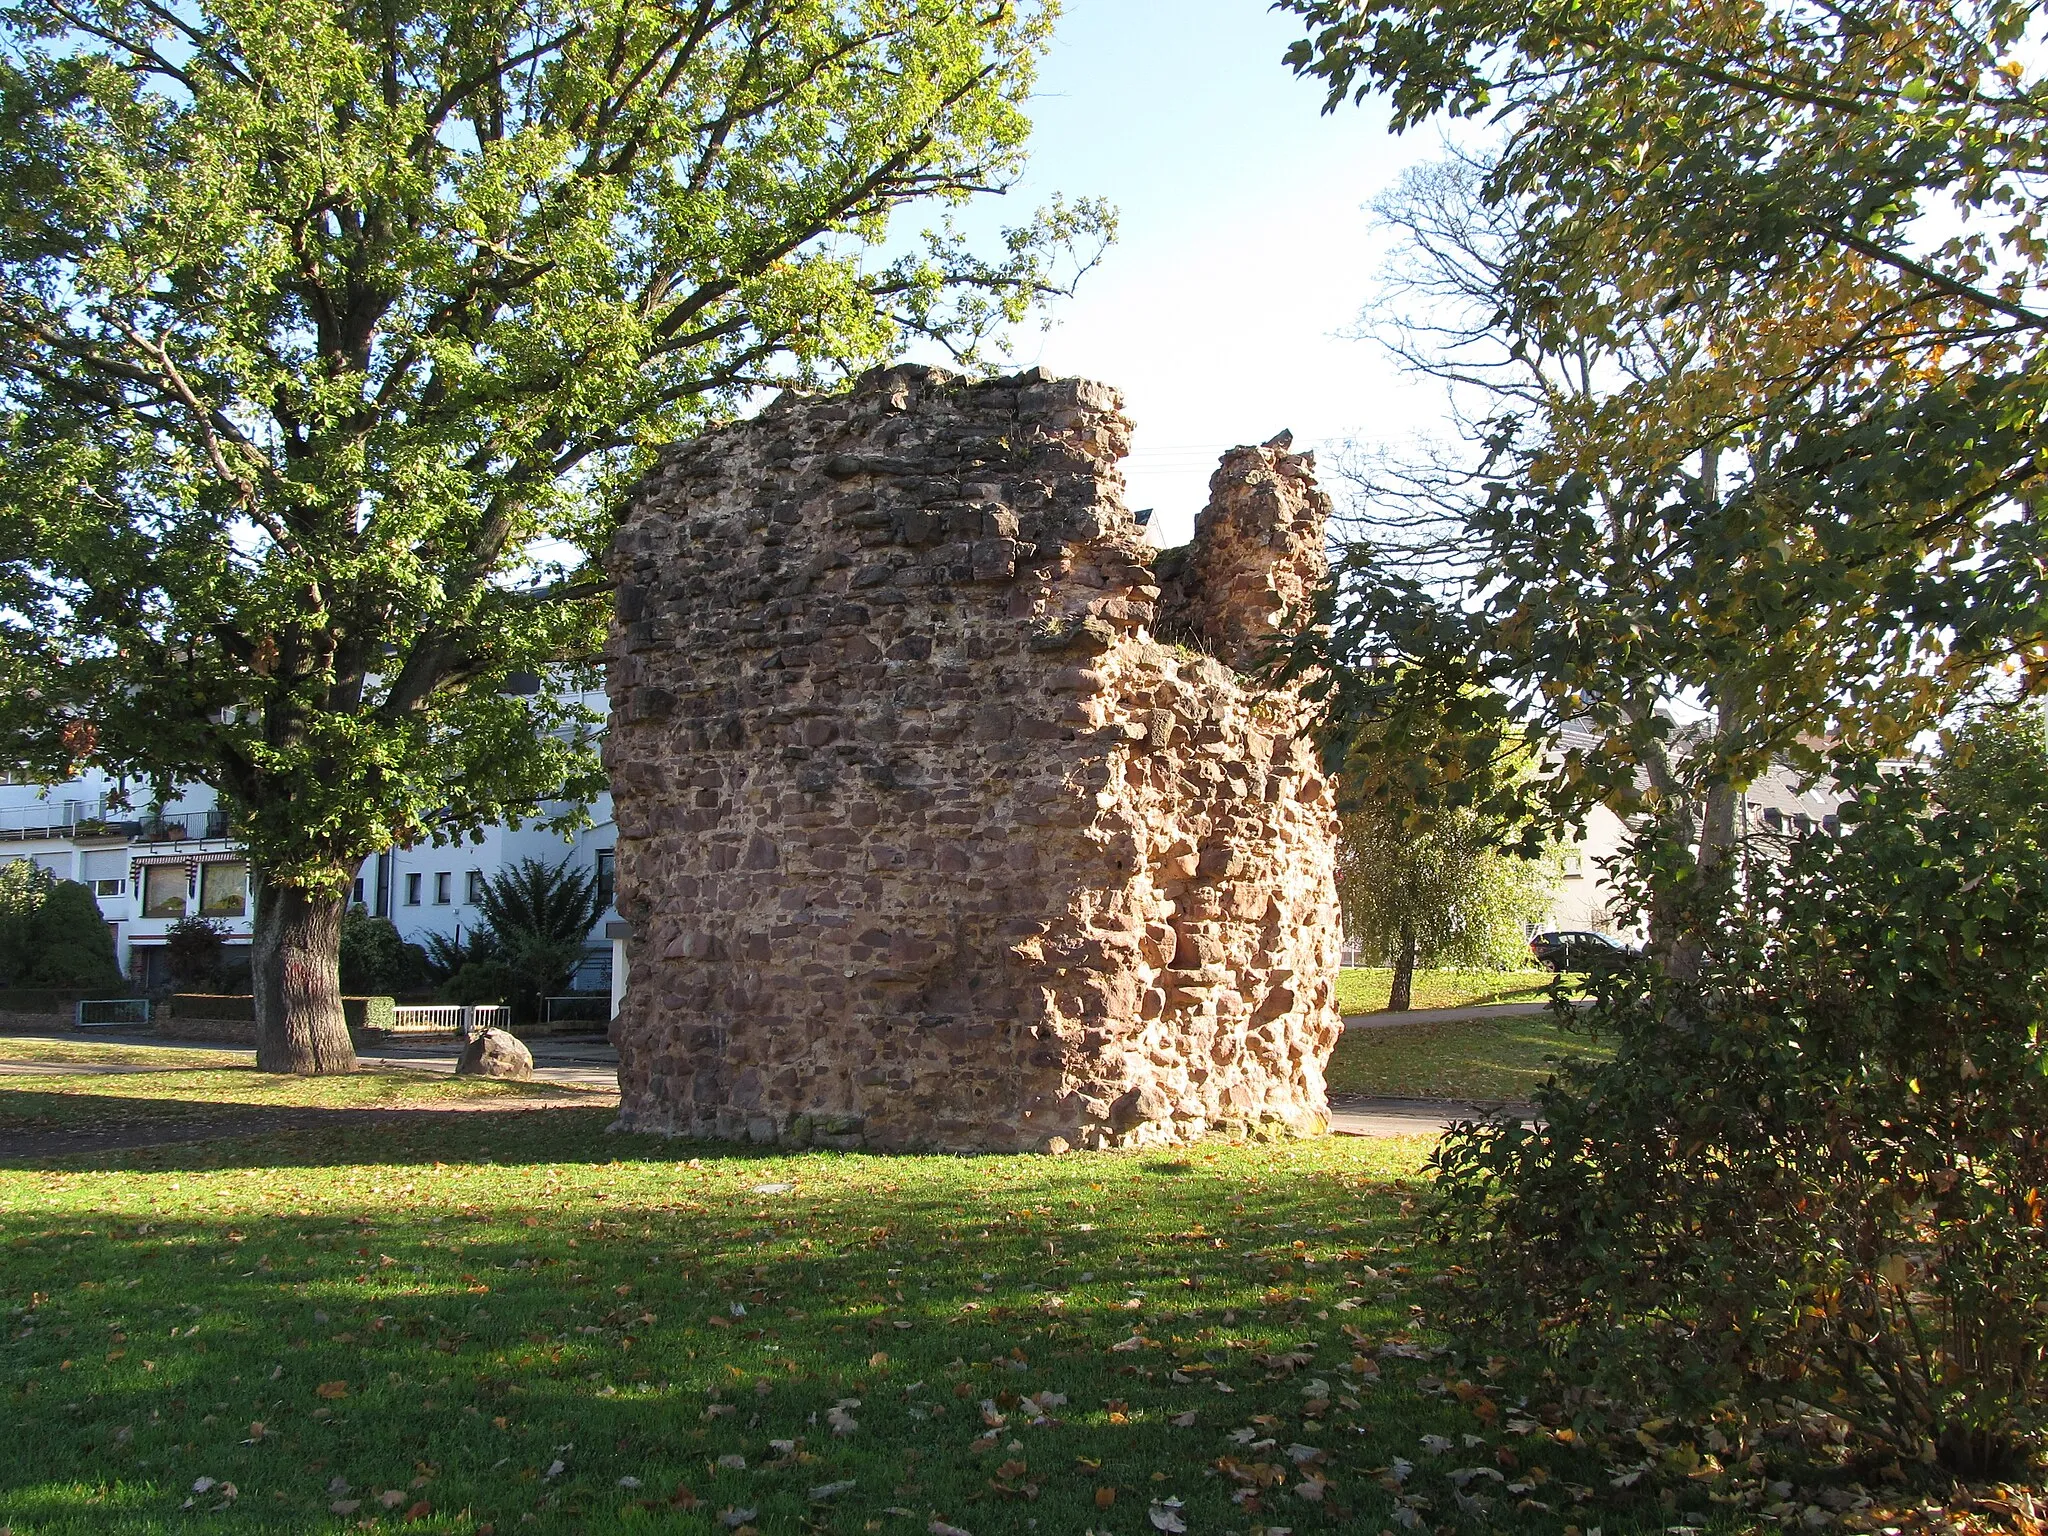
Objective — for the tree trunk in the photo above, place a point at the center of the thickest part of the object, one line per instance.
(1402, 992)
(1706, 899)
(295, 972)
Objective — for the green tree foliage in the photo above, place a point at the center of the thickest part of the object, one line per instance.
(1449, 581)
(376, 960)
(72, 945)
(193, 951)
(1826, 1191)
(536, 922)
(22, 887)
(1991, 766)
(1810, 513)
(51, 932)
(1445, 891)
(1424, 874)
(330, 336)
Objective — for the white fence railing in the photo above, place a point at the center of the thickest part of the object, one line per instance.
(465, 1019)
(113, 1013)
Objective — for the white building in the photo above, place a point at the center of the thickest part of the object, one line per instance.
(1779, 808)
(150, 867)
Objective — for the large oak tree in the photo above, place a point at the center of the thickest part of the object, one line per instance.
(331, 332)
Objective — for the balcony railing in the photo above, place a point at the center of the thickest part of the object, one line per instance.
(57, 818)
(93, 818)
(180, 826)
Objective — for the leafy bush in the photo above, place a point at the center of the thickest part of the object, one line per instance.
(71, 945)
(1815, 1178)
(192, 950)
(486, 981)
(374, 959)
(447, 955)
(51, 932)
(537, 918)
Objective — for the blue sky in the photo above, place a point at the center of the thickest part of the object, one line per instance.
(1246, 248)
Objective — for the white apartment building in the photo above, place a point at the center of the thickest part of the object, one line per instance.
(150, 867)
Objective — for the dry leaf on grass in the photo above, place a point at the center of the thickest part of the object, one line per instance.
(1165, 1516)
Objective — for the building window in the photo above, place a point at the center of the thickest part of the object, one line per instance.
(412, 890)
(607, 879)
(164, 889)
(444, 889)
(223, 890)
(106, 872)
(355, 898)
(475, 893)
(1574, 864)
(1774, 818)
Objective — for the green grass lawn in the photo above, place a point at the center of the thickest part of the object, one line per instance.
(1485, 1059)
(514, 1322)
(1363, 989)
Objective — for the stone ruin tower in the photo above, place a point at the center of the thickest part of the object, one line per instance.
(945, 818)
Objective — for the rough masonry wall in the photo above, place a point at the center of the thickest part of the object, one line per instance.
(924, 838)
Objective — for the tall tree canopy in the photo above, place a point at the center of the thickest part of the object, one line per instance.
(330, 334)
(1812, 514)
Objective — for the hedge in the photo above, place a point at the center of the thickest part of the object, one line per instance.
(360, 1012)
(52, 999)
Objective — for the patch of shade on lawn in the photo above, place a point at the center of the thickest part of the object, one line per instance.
(512, 1321)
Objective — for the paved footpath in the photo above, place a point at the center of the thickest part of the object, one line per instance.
(1357, 1114)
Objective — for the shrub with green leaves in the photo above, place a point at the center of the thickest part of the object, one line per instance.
(375, 958)
(1813, 1178)
(536, 922)
(51, 932)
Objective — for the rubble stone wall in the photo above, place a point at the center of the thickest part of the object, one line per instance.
(925, 839)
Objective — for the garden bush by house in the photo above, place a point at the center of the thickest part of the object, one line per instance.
(537, 918)
(375, 958)
(51, 932)
(195, 949)
(1812, 1181)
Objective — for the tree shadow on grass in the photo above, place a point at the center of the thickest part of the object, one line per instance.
(167, 1133)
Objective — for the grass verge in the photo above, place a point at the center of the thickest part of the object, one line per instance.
(1363, 989)
(1490, 1059)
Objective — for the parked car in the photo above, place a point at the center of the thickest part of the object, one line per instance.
(1579, 950)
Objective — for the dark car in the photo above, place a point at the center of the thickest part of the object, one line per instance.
(1579, 950)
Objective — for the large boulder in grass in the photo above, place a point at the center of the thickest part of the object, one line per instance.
(494, 1053)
